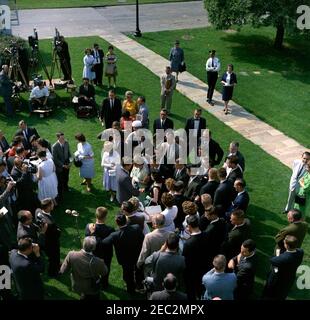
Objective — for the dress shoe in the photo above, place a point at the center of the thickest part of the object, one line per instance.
(83, 182)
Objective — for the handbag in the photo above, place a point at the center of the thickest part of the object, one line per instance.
(77, 162)
(300, 200)
(182, 67)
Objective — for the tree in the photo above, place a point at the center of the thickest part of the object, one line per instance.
(280, 14)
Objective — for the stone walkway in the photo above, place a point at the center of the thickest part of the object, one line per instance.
(273, 141)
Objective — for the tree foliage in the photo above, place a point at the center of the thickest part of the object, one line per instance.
(280, 14)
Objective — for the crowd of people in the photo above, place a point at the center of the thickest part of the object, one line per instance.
(182, 230)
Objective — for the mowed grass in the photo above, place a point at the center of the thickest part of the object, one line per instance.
(279, 94)
(29, 4)
(267, 178)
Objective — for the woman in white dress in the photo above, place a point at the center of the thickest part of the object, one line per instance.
(110, 158)
(43, 146)
(47, 180)
(86, 155)
(89, 61)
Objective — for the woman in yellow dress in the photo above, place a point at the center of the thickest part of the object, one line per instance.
(129, 104)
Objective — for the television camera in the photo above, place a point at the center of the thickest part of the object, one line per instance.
(33, 40)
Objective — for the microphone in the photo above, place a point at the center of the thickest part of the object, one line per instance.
(73, 213)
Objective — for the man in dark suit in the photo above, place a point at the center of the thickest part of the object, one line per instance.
(26, 132)
(244, 266)
(27, 198)
(212, 184)
(100, 230)
(4, 146)
(179, 198)
(124, 187)
(127, 243)
(224, 193)
(234, 151)
(27, 270)
(180, 172)
(52, 236)
(170, 290)
(283, 271)
(61, 157)
(241, 231)
(242, 199)
(216, 153)
(197, 255)
(235, 171)
(193, 129)
(98, 54)
(27, 229)
(216, 231)
(192, 189)
(64, 58)
(162, 122)
(297, 228)
(111, 110)
(87, 94)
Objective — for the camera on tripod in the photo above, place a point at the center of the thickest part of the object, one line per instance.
(57, 40)
(12, 50)
(33, 40)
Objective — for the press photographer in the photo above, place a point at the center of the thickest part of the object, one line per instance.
(27, 229)
(22, 173)
(62, 49)
(52, 236)
(6, 89)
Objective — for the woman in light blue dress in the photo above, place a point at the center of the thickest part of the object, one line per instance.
(86, 155)
(176, 58)
(89, 62)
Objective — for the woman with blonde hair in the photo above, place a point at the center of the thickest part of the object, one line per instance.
(129, 104)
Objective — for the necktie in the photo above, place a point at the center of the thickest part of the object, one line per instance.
(162, 123)
(111, 104)
(212, 63)
(25, 134)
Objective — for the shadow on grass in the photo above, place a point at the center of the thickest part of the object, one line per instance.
(258, 50)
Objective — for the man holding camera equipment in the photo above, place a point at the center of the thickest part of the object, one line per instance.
(27, 270)
(22, 175)
(52, 236)
(6, 89)
(27, 229)
(86, 270)
(61, 156)
(62, 49)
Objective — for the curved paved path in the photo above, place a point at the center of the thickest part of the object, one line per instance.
(273, 141)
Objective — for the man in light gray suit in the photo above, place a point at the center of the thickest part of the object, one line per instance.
(299, 168)
(61, 156)
(86, 270)
(154, 240)
(167, 83)
(124, 187)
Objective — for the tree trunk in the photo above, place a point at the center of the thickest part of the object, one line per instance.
(278, 43)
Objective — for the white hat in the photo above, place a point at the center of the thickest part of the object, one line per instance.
(137, 124)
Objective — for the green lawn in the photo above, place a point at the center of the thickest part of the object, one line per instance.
(278, 95)
(267, 201)
(29, 4)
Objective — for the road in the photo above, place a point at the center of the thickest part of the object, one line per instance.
(74, 22)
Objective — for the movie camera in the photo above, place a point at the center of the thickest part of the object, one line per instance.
(57, 40)
(33, 40)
